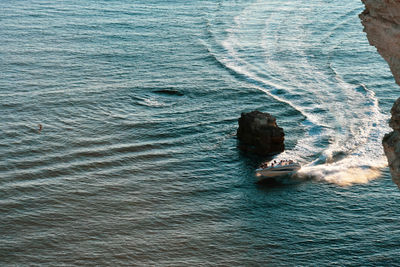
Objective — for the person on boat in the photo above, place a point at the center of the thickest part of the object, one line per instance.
(264, 165)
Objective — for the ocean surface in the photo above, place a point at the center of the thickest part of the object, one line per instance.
(137, 163)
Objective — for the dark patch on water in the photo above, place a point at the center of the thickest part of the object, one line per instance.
(170, 92)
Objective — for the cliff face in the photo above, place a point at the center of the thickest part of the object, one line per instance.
(381, 20)
(391, 143)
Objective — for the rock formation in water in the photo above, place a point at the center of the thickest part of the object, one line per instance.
(258, 133)
(391, 143)
(381, 20)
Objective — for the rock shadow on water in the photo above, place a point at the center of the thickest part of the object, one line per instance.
(290, 183)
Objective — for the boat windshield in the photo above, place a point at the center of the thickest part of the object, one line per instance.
(275, 164)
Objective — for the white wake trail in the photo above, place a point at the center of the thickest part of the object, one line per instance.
(343, 123)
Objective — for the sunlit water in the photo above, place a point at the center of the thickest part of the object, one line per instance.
(137, 163)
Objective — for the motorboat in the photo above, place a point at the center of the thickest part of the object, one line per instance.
(275, 172)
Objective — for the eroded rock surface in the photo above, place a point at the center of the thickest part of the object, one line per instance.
(391, 143)
(258, 133)
(381, 20)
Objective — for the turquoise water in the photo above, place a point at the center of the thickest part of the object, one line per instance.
(137, 163)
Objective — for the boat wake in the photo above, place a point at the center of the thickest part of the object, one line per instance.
(295, 64)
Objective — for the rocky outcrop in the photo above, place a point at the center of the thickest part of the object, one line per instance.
(381, 20)
(258, 133)
(391, 143)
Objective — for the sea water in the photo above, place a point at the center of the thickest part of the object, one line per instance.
(137, 163)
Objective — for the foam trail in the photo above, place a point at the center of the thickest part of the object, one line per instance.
(343, 122)
(351, 170)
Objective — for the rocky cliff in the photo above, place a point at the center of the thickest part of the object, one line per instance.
(391, 143)
(381, 20)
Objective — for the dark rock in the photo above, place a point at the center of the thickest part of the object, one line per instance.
(391, 143)
(258, 133)
(395, 119)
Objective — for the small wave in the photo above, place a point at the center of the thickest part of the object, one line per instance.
(149, 102)
(152, 103)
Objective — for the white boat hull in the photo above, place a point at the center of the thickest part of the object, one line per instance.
(277, 173)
